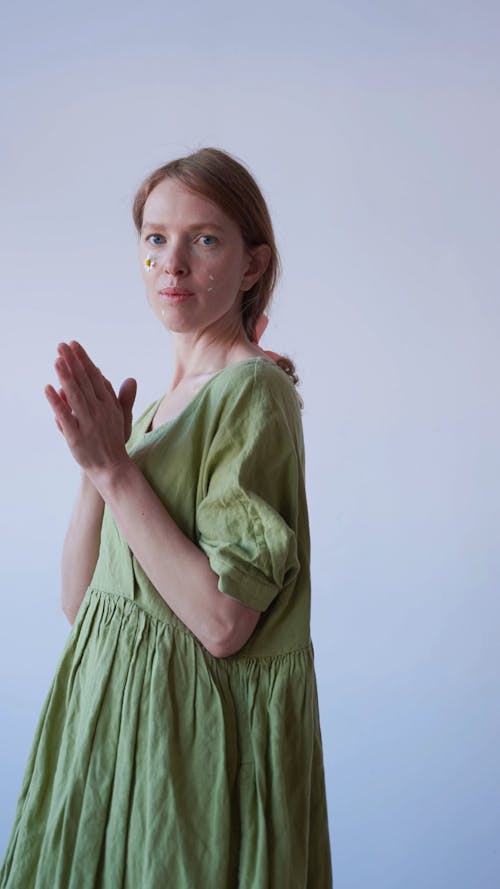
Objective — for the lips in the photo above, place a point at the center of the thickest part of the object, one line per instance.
(175, 291)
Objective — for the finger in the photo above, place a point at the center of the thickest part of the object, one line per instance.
(94, 374)
(67, 423)
(108, 386)
(75, 397)
(93, 383)
(75, 383)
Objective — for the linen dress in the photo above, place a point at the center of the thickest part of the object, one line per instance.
(156, 765)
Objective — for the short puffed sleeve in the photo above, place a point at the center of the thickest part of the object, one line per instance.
(246, 519)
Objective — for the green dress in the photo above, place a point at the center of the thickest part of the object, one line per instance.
(156, 765)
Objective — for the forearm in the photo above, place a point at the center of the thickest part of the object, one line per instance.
(81, 547)
(177, 568)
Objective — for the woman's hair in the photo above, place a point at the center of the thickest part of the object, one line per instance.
(222, 179)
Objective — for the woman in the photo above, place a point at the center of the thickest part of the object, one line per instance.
(179, 744)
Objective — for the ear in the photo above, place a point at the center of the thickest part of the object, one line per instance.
(260, 257)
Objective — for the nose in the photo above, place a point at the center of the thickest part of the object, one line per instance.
(174, 260)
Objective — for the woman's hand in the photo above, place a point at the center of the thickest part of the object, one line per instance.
(95, 423)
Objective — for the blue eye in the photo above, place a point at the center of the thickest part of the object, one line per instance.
(209, 236)
(156, 239)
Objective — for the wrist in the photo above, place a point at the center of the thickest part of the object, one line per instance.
(112, 477)
(87, 486)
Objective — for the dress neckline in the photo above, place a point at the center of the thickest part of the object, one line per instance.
(151, 413)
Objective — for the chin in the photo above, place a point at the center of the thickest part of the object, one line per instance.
(173, 326)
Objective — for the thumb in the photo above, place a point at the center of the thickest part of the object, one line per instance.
(127, 393)
(126, 398)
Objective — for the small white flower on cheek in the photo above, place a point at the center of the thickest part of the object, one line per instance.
(149, 262)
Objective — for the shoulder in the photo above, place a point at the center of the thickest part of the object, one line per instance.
(257, 397)
(258, 384)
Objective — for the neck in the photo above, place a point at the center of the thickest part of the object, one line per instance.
(196, 357)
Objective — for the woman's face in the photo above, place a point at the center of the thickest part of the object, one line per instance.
(188, 243)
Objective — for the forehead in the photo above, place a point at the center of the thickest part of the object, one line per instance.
(172, 203)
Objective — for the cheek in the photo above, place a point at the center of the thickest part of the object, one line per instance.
(143, 254)
(222, 279)
(149, 276)
(151, 257)
(147, 273)
(218, 285)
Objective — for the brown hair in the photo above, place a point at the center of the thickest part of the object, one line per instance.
(221, 178)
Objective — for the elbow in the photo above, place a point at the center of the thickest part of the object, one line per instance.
(70, 617)
(235, 637)
(223, 644)
(68, 611)
(218, 645)
(71, 601)
(222, 649)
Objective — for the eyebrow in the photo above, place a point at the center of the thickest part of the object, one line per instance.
(159, 227)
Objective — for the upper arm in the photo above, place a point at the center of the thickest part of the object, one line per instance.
(246, 515)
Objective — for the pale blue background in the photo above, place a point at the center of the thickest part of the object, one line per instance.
(373, 129)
